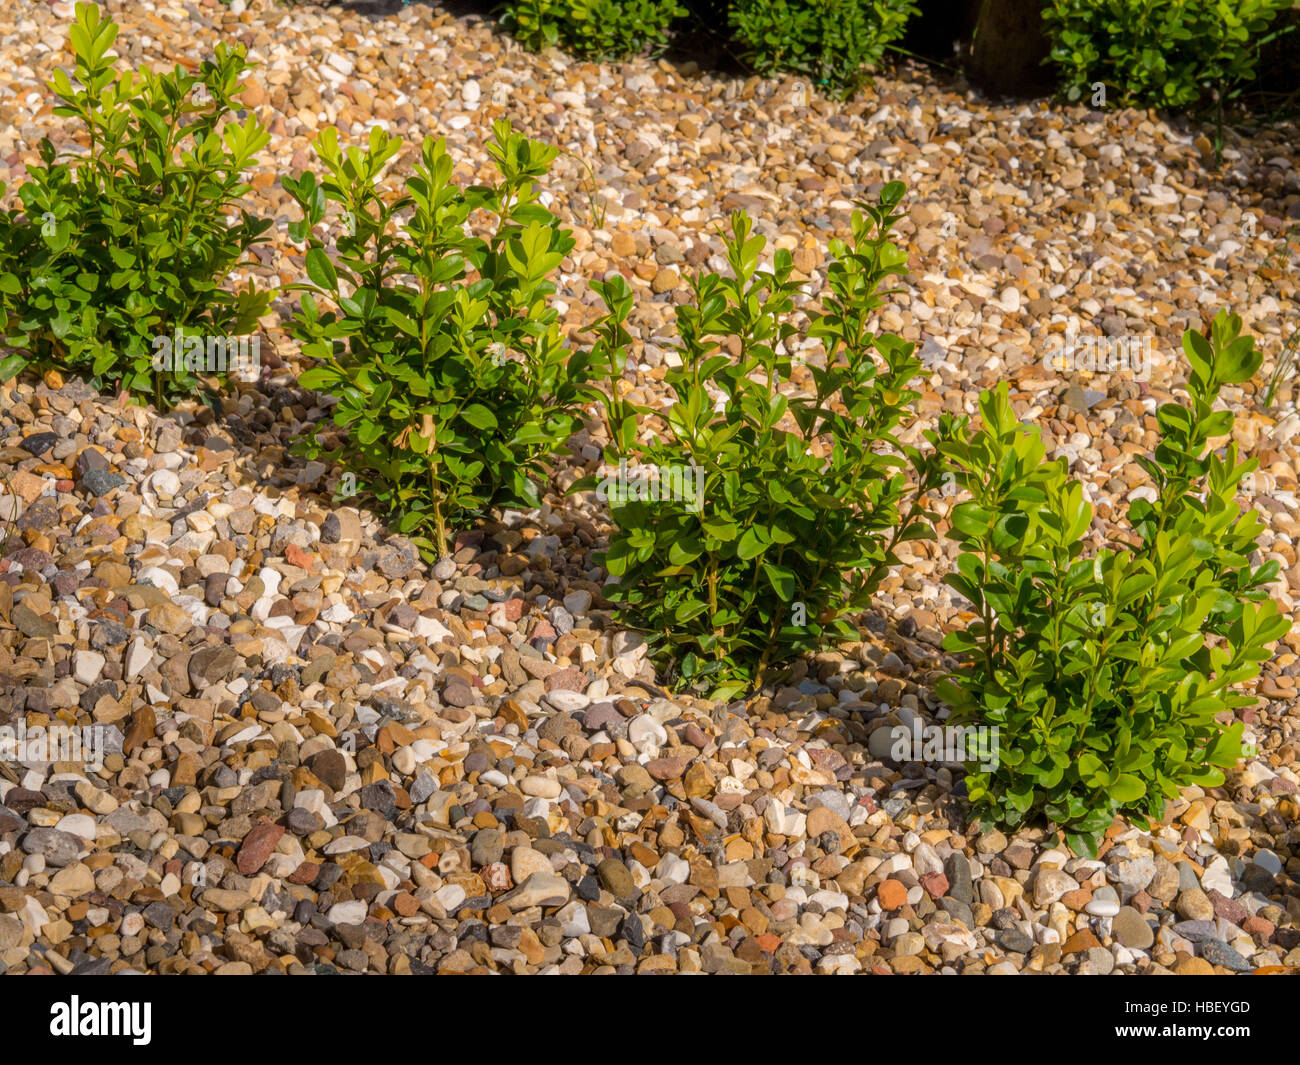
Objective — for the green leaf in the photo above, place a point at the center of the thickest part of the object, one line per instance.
(751, 544)
(1128, 788)
(317, 378)
(11, 365)
(321, 270)
(479, 416)
(783, 580)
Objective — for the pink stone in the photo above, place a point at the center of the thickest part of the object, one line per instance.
(257, 847)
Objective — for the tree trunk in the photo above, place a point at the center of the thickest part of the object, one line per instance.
(1009, 48)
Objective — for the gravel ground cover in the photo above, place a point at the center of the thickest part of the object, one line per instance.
(325, 754)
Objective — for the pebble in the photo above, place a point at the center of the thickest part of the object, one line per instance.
(1217, 952)
(1194, 905)
(1131, 929)
(347, 913)
(1104, 902)
(540, 889)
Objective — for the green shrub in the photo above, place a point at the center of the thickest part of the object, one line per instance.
(594, 29)
(137, 237)
(783, 512)
(1106, 674)
(443, 349)
(1165, 53)
(834, 42)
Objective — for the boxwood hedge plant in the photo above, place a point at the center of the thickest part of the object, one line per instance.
(1162, 53)
(135, 238)
(836, 43)
(593, 29)
(441, 347)
(776, 513)
(1112, 673)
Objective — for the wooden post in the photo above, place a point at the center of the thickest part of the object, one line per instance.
(1009, 48)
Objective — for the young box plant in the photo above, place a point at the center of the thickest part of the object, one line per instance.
(136, 237)
(1112, 673)
(1163, 53)
(593, 29)
(837, 43)
(793, 504)
(442, 349)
